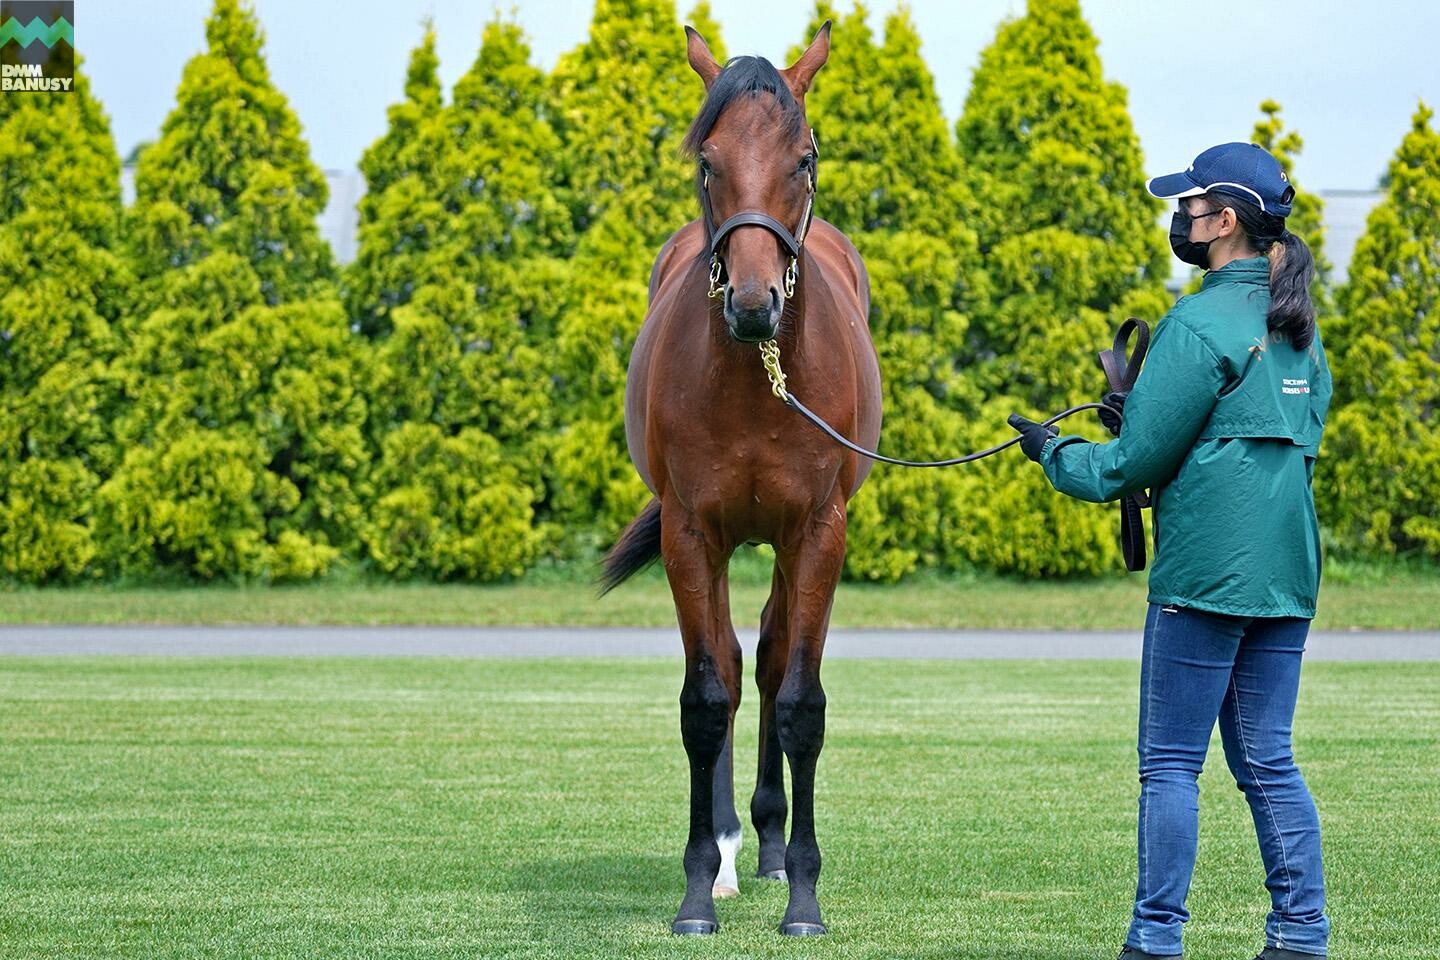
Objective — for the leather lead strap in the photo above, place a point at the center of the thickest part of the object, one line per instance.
(1121, 371)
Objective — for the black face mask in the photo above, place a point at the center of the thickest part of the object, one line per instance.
(1189, 251)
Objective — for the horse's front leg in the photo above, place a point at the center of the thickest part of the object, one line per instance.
(812, 569)
(727, 822)
(768, 805)
(695, 567)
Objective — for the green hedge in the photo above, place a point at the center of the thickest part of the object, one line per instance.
(191, 386)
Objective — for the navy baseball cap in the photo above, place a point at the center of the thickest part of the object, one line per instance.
(1241, 170)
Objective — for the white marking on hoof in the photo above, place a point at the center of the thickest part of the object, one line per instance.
(727, 884)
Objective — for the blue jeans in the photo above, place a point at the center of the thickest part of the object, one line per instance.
(1197, 667)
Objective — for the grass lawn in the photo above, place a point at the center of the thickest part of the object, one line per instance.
(1389, 597)
(357, 808)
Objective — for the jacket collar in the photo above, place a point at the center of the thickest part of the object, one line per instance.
(1245, 270)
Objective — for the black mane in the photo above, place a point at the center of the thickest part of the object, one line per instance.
(743, 76)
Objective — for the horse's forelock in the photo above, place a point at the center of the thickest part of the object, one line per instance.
(743, 76)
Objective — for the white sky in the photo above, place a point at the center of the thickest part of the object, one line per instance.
(1348, 74)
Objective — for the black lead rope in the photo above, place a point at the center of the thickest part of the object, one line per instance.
(1121, 367)
(814, 418)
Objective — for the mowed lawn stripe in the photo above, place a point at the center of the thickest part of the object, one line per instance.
(164, 808)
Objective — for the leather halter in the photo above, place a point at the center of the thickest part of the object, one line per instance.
(794, 243)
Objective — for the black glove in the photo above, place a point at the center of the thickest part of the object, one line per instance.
(1110, 417)
(1032, 435)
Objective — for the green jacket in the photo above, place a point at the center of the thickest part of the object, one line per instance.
(1224, 424)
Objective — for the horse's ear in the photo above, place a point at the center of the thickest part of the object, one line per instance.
(701, 59)
(799, 74)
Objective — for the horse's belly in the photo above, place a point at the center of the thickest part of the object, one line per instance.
(673, 270)
(636, 384)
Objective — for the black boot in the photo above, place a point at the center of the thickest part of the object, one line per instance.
(1275, 953)
(1128, 952)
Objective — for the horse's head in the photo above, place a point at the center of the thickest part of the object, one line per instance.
(756, 156)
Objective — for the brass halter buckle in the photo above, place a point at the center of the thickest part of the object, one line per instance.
(791, 272)
(716, 267)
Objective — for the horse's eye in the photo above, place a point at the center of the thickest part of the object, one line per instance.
(705, 167)
(807, 162)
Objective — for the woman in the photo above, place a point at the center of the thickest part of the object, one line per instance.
(1225, 423)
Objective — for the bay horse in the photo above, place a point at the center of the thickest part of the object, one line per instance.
(728, 463)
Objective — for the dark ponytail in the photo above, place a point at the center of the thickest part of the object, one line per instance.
(1292, 268)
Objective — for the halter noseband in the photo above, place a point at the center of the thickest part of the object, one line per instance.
(794, 242)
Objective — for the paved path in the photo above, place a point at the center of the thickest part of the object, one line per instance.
(624, 641)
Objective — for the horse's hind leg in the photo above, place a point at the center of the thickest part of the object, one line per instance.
(767, 805)
(812, 569)
(695, 568)
(727, 824)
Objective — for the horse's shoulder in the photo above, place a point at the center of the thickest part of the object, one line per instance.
(820, 227)
(684, 244)
(836, 251)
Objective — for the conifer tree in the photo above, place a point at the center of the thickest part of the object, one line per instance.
(1071, 246)
(400, 214)
(471, 221)
(890, 179)
(399, 152)
(242, 427)
(1378, 480)
(62, 287)
(624, 100)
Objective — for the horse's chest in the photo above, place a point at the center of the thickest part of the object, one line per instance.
(748, 479)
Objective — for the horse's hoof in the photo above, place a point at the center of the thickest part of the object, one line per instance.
(801, 929)
(773, 875)
(722, 892)
(687, 928)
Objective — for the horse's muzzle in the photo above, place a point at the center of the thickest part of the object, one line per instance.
(750, 318)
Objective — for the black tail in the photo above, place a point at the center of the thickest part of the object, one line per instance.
(637, 548)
